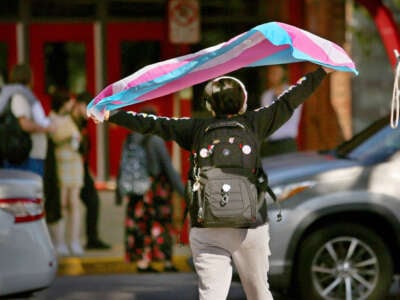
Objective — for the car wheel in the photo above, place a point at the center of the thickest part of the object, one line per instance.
(344, 262)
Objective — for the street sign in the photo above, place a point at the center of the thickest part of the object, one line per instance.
(184, 21)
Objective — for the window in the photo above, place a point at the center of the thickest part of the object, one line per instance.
(65, 66)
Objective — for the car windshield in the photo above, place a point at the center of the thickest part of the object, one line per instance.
(372, 145)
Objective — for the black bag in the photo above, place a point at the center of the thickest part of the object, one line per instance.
(15, 143)
(225, 186)
(134, 175)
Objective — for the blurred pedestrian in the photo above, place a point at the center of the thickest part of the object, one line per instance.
(69, 163)
(51, 189)
(148, 223)
(88, 193)
(30, 114)
(284, 139)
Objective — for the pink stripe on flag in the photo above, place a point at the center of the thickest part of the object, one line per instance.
(162, 68)
(247, 57)
(106, 92)
(156, 70)
(306, 44)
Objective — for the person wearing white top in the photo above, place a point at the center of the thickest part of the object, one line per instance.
(30, 114)
(283, 140)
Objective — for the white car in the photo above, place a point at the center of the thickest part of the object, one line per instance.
(28, 261)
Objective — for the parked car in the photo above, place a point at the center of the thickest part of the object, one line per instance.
(340, 233)
(28, 260)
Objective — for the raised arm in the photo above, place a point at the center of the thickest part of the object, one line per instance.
(269, 119)
(176, 129)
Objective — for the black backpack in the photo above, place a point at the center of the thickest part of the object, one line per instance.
(15, 143)
(226, 180)
(134, 174)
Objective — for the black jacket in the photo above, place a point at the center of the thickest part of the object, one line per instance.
(263, 121)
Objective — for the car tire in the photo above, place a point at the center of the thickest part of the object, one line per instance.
(343, 255)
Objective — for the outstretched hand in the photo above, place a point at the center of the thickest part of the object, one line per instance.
(96, 119)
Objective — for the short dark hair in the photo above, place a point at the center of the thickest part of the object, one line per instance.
(21, 73)
(226, 95)
(59, 98)
(84, 97)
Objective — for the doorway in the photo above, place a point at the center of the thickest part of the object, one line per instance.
(62, 57)
(132, 46)
(8, 49)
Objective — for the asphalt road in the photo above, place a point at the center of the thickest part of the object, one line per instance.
(165, 286)
(172, 286)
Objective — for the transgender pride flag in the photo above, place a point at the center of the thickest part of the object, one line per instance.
(267, 44)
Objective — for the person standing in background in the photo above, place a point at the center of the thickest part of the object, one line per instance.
(31, 116)
(69, 172)
(283, 140)
(88, 193)
(51, 189)
(148, 223)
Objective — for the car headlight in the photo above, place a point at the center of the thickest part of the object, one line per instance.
(283, 192)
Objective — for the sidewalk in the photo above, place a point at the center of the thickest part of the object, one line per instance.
(111, 231)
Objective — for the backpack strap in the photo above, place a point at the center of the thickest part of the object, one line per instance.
(263, 183)
(7, 108)
(273, 196)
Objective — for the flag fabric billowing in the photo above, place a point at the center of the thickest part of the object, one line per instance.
(267, 44)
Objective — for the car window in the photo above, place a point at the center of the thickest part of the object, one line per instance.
(378, 147)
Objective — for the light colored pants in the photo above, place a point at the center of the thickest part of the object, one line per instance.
(214, 248)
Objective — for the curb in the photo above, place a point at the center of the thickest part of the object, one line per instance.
(75, 266)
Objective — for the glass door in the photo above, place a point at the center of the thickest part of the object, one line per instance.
(62, 56)
(8, 49)
(131, 46)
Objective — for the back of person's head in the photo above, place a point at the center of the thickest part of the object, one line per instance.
(59, 98)
(276, 75)
(84, 97)
(225, 96)
(21, 73)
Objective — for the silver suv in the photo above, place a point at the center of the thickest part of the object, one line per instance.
(340, 233)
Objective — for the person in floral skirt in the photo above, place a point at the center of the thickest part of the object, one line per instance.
(148, 222)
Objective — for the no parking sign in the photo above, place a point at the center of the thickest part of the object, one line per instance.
(184, 21)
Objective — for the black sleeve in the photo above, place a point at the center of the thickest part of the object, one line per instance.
(178, 129)
(268, 119)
